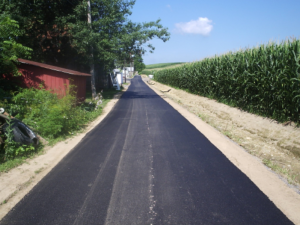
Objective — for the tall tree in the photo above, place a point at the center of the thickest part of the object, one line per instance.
(139, 64)
(59, 33)
(10, 49)
(42, 27)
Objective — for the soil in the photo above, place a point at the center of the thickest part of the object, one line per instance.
(249, 141)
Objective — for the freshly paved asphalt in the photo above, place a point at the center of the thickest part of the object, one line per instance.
(145, 164)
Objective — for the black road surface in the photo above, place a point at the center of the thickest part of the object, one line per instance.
(145, 164)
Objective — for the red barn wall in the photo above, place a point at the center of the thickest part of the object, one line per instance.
(58, 82)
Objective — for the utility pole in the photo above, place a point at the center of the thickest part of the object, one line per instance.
(92, 67)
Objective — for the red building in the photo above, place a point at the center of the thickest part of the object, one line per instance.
(52, 78)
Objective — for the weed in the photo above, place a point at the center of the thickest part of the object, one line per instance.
(39, 170)
(290, 178)
(228, 134)
(10, 144)
(203, 117)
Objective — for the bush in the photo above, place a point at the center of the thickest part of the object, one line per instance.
(46, 113)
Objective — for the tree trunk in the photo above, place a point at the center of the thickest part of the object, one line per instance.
(92, 70)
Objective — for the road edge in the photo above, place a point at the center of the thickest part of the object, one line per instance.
(19, 181)
(288, 201)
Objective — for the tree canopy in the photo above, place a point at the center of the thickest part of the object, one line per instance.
(139, 64)
(59, 33)
(10, 50)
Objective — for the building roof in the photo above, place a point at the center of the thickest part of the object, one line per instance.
(55, 68)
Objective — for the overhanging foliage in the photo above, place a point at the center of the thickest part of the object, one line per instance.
(59, 34)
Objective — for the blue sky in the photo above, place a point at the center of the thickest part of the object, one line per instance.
(202, 29)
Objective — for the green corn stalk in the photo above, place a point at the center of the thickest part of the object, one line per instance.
(263, 80)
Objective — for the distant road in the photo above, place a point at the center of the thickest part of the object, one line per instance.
(145, 164)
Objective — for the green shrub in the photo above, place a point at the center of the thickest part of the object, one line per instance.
(48, 115)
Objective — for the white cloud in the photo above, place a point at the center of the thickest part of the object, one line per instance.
(201, 26)
(169, 6)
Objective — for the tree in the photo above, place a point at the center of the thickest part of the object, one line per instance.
(10, 50)
(139, 64)
(42, 30)
(135, 35)
(59, 33)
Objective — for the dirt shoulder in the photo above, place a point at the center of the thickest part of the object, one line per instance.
(254, 142)
(17, 182)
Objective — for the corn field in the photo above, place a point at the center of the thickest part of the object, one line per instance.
(263, 80)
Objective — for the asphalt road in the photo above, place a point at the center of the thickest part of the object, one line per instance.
(145, 164)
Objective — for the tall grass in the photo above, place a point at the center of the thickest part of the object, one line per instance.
(263, 80)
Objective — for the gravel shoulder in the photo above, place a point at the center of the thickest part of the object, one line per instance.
(249, 141)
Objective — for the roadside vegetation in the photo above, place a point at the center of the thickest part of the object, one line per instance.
(51, 117)
(162, 65)
(59, 33)
(152, 68)
(276, 144)
(264, 80)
